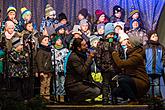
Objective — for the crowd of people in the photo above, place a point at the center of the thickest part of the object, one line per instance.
(62, 56)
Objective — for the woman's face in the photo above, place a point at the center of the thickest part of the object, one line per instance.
(135, 16)
(102, 18)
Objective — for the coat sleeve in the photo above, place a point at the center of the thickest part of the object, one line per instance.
(40, 62)
(81, 68)
(130, 62)
(98, 57)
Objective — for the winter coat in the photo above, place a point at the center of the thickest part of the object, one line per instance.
(17, 62)
(44, 59)
(78, 70)
(135, 68)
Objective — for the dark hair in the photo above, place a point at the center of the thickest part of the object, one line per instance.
(25, 25)
(76, 43)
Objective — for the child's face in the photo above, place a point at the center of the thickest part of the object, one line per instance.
(80, 17)
(10, 30)
(95, 43)
(59, 42)
(124, 42)
(61, 31)
(118, 15)
(45, 41)
(117, 29)
(29, 27)
(64, 21)
(19, 48)
(84, 27)
(101, 31)
(111, 35)
(135, 16)
(12, 15)
(154, 37)
(27, 17)
(101, 18)
(135, 24)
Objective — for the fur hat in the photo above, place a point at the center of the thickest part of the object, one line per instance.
(83, 21)
(99, 13)
(101, 25)
(119, 23)
(61, 16)
(135, 40)
(41, 38)
(109, 28)
(76, 29)
(116, 9)
(49, 11)
(11, 8)
(16, 41)
(25, 11)
(84, 12)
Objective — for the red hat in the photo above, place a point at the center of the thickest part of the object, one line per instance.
(99, 13)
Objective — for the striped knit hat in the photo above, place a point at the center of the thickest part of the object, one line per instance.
(11, 8)
(24, 12)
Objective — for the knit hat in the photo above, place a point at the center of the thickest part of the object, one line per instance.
(83, 21)
(135, 40)
(109, 28)
(99, 13)
(61, 16)
(41, 38)
(76, 29)
(16, 41)
(119, 23)
(94, 38)
(49, 11)
(59, 26)
(116, 9)
(133, 20)
(56, 38)
(133, 11)
(84, 12)
(123, 36)
(9, 24)
(11, 8)
(24, 12)
(101, 25)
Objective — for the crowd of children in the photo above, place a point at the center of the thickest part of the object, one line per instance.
(26, 53)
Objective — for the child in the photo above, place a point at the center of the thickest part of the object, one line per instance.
(118, 14)
(59, 52)
(44, 66)
(49, 20)
(11, 16)
(104, 59)
(18, 69)
(100, 30)
(26, 16)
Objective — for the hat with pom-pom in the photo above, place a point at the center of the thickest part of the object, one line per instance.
(11, 8)
(24, 12)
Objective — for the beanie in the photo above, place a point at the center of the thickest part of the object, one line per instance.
(116, 9)
(84, 12)
(11, 8)
(59, 26)
(24, 12)
(119, 23)
(109, 28)
(123, 36)
(76, 29)
(41, 38)
(99, 13)
(56, 38)
(101, 25)
(94, 38)
(49, 11)
(9, 24)
(61, 16)
(83, 22)
(16, 41)
(133, 11)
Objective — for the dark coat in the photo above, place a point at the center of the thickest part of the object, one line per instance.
(78, 69)
(44, 60)
(135, 68)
